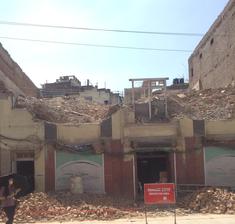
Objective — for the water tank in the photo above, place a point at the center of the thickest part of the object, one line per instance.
(76, 186)
(175, 81)
(182, 81)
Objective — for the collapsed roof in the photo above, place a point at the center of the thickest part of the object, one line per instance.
(66, 109)
(216, 104)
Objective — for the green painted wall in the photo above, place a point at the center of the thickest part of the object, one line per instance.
(220, 166)
(86, 165)
(213, 151)
(64, 157)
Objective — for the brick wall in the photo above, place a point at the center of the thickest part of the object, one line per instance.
(14, 73)
(212, 62)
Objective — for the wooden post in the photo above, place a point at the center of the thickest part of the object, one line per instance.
(166, 108)
(133, 93)
(150, 98)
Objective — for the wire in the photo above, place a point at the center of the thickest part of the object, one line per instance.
(30, 138)
(97, 45)
(101, 29)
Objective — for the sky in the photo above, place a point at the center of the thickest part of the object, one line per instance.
(107, 67)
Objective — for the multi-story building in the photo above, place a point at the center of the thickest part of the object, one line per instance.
(70, 85)
(212, 64)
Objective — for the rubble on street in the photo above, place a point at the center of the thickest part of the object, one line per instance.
(210, 200)
(210, 104)
(65, 206)
(68, 109)
(62, 207)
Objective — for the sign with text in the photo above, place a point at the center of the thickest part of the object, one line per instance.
(163, 193)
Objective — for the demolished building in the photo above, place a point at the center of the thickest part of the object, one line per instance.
(115, 153)
(182, 137)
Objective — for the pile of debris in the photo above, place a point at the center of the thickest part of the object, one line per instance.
(68, 109)
(210, 104)
(210, 200)
(62, 207)
(65, 206)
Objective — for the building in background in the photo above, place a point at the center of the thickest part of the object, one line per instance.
(70, 85)
(65, 85)
(212, 64)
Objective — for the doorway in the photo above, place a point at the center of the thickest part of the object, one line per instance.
(152, 167)
(26, 168)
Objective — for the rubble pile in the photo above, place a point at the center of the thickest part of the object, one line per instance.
(68, 109)
(210, 200)
(210, 104)
(65, 206)
(43, 207)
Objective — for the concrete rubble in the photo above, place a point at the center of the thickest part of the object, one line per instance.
(68, 109)
(210, 104)
(210, 200)
(65, 206)
(62, 207)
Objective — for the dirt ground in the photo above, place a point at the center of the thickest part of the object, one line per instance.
(192, 219)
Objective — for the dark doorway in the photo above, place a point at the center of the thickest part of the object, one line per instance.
(26, 168)
(152, 168)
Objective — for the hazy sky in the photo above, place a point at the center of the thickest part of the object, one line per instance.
(45, 62)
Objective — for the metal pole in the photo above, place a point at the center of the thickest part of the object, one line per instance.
(175, 174)
(146, 220)
(175, 215)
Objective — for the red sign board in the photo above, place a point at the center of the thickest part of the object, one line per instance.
(163, 193)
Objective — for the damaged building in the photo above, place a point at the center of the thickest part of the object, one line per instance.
(20, 137)
(12, 78)
(71, 86)
(212, 63)
(115, 153)
(159, 135)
